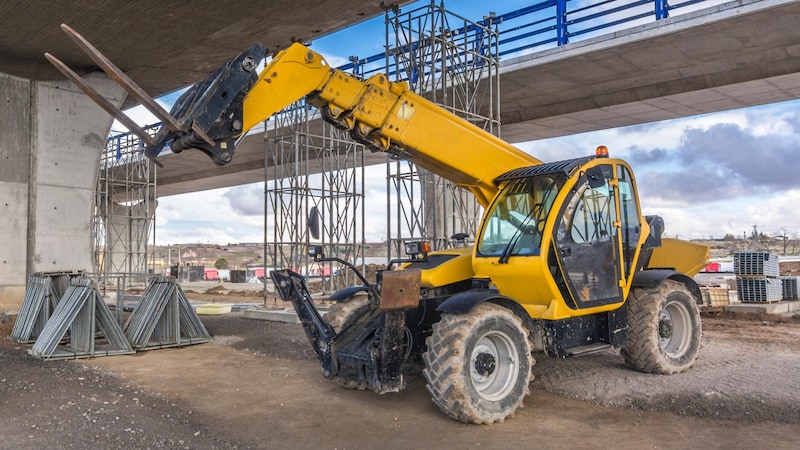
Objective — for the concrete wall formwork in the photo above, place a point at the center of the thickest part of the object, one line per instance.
(51, 138)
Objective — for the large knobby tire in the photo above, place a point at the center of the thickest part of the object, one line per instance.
(664, 329)
(341, 314)
(478, 365)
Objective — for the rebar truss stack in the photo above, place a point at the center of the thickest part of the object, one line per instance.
(757, 276)
(42, 293)
(762, 264)
(164, 318)
(91, 326)
(81, 325)
(790, 290)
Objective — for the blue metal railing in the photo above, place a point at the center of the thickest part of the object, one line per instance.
(549, 24)
(122, 146)
(553, 23)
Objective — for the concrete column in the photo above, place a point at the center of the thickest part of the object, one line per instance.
(15, 135)
(51, 139)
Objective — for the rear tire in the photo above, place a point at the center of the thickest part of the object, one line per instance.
(339, 316)
(664, 329)
(478, 365)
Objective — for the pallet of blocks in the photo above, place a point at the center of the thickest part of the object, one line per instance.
(714, 294)
(757, 277)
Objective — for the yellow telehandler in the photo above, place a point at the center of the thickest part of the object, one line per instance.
(563, 262)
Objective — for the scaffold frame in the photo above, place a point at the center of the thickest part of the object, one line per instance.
(454, 62)
(124, 212)
(311, 164)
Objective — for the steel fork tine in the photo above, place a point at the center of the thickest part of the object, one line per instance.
(100, 100)
(125, 81)
(104, 103)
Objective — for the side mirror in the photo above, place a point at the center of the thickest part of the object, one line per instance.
(313, 222)
(315, 251)
(595, 177)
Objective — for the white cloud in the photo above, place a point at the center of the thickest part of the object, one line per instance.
(205, 217)
(235, 214)
(334, 60)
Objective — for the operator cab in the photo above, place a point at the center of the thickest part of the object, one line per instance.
(563, 226)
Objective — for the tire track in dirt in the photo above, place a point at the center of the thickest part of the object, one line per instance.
(731, 379)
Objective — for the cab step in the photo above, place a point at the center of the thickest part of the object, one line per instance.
(587, 349)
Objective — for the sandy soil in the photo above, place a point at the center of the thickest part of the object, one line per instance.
(258, 385)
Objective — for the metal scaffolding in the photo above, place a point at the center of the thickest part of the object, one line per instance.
(454, 62)
(125, 203)
(312, 165)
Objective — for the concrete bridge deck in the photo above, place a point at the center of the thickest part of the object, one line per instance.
(733, 55)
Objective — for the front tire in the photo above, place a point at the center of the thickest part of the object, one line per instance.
(341, 315)
(478, 365)
(664, 329)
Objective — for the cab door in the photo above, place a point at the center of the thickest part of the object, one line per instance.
(587, 241)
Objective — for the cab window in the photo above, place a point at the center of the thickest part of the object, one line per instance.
(629, 213)
(594, 214)
(518, 216)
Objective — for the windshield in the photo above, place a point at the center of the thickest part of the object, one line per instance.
(518, 217)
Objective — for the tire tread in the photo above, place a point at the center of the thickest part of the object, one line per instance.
(643, 352)
(444, 364)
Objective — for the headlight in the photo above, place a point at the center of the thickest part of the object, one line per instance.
(417, 248)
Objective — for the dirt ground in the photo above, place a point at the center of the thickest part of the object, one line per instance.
(258, 385)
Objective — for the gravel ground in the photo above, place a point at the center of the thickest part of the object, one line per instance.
(746, 370)
(258, 385)
(61, 404)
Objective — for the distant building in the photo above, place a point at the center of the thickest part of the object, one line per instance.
(211, 274)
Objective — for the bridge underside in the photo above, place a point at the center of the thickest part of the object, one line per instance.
(715, 59)
(161, 46)
(735, 55)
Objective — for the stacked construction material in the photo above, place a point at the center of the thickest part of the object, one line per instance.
(761, 264)
(757, 276)
(92, 329)
(790, 290)
(42, 293)
(164, 318)
(752, 289)
(714, 294)
(40, 299)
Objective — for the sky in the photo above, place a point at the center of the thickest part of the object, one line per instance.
(707, 176)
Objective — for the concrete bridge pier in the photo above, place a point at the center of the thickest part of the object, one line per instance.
(51, 139)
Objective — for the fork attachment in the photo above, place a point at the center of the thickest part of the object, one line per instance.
(211, 112)
(207, 117)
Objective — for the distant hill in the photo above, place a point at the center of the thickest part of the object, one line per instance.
(243, 255)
